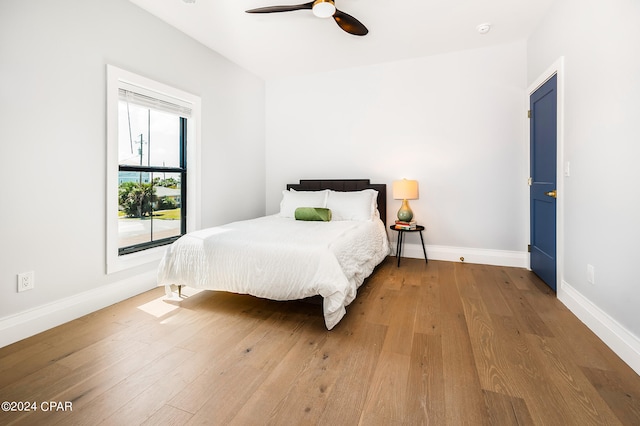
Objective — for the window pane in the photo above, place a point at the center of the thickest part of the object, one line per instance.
(165, 140)
(167, 205)
(149, 207)
(147, 137)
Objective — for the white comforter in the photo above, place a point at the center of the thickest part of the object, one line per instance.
(280, 259)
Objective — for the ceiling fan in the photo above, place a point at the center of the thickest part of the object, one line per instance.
(321, 9)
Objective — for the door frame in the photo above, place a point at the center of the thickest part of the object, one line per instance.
(557, 68)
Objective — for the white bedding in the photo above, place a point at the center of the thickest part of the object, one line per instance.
(280, 259)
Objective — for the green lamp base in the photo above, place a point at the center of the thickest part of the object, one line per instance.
(405, 213)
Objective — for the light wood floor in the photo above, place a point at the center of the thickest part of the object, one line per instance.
(441, 344)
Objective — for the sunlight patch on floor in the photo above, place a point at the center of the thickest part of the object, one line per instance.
(158, 307)
(163, 304)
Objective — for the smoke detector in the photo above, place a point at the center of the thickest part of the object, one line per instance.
(483, 28)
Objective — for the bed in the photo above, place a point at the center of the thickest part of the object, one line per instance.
(286, 256)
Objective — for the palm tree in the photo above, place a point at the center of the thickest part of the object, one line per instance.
(136, 198)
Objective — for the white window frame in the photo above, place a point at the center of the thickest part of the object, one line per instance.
(118, 78)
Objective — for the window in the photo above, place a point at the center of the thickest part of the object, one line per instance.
(152, 172)
(152, 167)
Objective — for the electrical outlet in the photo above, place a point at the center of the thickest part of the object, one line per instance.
(591, 274)
(26, 281)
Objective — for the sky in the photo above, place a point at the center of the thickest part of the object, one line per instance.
(134, 122)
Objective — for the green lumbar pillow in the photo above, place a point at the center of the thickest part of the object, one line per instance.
(313, 213)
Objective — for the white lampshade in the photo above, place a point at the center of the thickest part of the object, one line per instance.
(324, 8)
(405, 189)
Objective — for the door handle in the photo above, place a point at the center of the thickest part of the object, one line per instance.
(552, 194)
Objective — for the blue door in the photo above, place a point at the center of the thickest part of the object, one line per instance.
(543, 143)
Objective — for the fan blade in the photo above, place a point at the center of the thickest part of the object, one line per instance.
(350, 24)
(289, 8)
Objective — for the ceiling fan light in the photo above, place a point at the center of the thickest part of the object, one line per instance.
(324, 8)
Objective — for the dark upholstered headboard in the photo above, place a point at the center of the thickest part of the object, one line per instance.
(345, 185)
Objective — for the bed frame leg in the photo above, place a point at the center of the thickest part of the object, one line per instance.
(168, 291)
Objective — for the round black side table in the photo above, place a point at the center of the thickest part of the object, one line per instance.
(401, 232)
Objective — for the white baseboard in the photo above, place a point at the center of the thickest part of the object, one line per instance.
(33, 321)
(515, 259)
(625, 344)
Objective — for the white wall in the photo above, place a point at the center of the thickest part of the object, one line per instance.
(600, 43)
(53, 57)
(454, 122)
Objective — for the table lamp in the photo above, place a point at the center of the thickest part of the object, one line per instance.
(405, 190)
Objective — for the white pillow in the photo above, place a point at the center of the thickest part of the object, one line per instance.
(291, 200)
(356, 205)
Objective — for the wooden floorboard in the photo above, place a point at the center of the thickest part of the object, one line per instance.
(441, 343)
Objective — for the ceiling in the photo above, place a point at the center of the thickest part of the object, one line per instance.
(297, 43)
